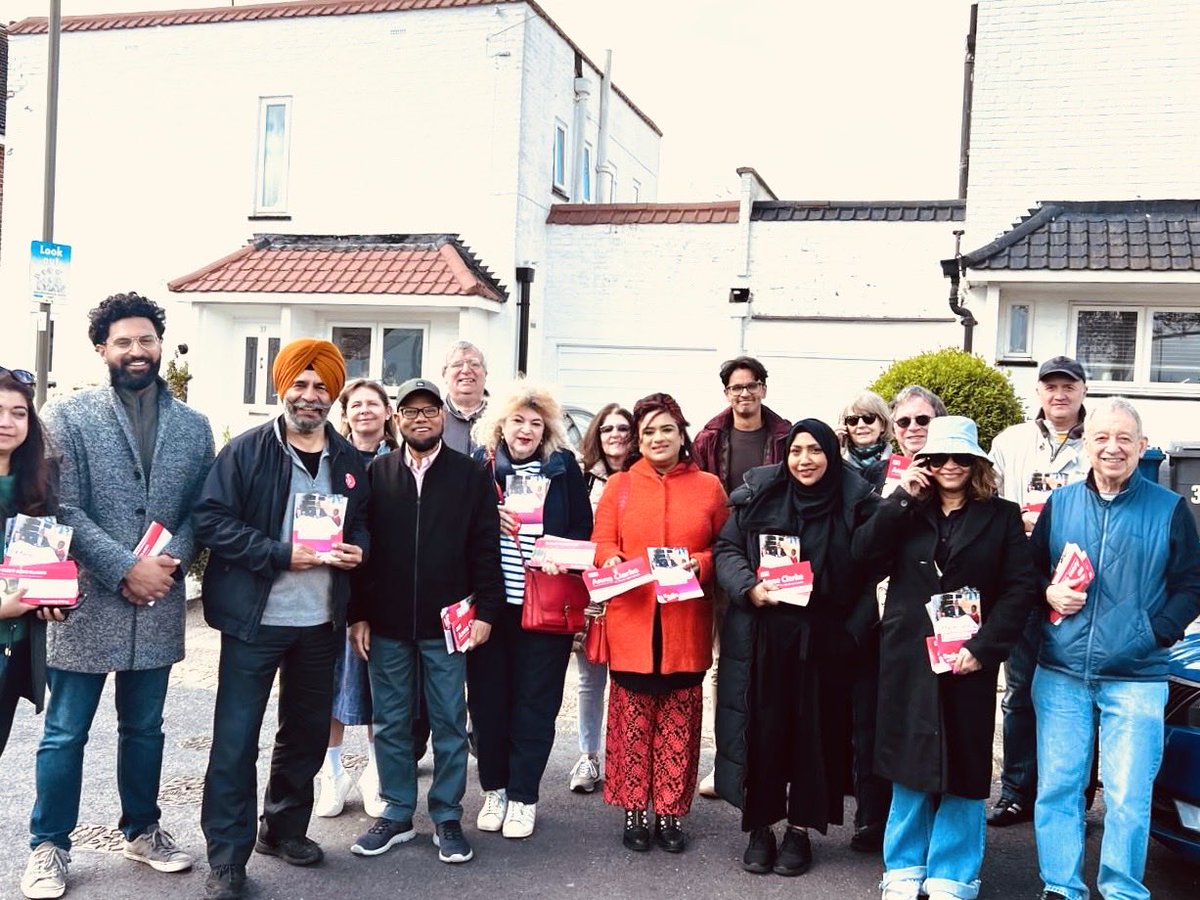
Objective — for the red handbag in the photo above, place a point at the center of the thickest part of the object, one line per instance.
(595, 640)
(554, 604)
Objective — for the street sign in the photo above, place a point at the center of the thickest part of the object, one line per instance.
(49, 265)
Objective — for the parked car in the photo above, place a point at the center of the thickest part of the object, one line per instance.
(1175, 815)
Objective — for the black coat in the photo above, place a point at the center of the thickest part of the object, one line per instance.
(841, 612)
(935, 731)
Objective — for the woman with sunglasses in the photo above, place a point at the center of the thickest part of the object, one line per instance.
(605, 449)
(913, 408)
(26, 486)
(865, 432)
(948, 541)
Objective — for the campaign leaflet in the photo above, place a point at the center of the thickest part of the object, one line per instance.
(1075, 570)
(318, 522)
(610, 581)
(779, 561)
(456, 625)
(45, 584)
(673, 582)
(154, 541)
(36, 540)
(524, 498)
(895, 468)
(563, 552)
(955, 616)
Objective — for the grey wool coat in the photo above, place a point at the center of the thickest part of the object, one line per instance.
(105, 496)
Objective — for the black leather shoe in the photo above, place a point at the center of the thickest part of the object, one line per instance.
(1010, 812)
(295, 851)
(668, 834)
(759, 857)
(637, 833)
(225, 883)
(795, 854)
(867, 839)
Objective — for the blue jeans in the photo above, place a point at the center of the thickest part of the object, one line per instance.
(393, 690)
(935, 839)
(1018, 777)
(592, 679)
(1131, 746)
(74, 697)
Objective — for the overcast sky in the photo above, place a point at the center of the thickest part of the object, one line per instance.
(843, 100)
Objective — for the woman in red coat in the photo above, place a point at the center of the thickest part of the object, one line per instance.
(658, 653)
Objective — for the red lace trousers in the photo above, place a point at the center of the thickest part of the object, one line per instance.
(652, 749)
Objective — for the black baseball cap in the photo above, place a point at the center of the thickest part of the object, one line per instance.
(415, 386)
(1062, 365)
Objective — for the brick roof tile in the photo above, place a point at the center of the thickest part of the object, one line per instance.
(643, 213)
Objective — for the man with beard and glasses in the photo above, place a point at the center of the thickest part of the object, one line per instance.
(432, 512)
(280, 607)
(132, 455)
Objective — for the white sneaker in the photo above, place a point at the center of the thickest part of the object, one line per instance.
(368, 786)
(708, 786)
(904, 889)
(46, 872)
(157, 849)
(585, 774)
(518, 821)
(332, 798)
(495, 808)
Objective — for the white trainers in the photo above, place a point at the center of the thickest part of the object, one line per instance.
(519, 820)
(585, 774)
(904, 889)
(708, 786)
(368, 786)
(46, 872)
(495, 807)
(333, 790)
(157, 849)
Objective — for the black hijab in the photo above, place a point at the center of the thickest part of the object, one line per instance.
(825, 497)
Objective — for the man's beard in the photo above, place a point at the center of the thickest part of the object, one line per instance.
(121, 377)
(305, 426)
(425, 444)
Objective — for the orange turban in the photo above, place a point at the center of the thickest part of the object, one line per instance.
(321, 356)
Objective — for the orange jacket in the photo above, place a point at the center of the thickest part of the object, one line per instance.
(640, 509)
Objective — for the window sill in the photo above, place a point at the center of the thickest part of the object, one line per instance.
(1021, 362)
(1144, 391)
(269, 217)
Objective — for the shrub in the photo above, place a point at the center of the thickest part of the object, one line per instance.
(967, 385)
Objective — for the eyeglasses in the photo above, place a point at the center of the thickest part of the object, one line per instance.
(749, 388)
(867, 419)
(412, 412)
(920, 420)
(937, 460)
(21, 375)
(609, 429)
(474, 364)
(145, 341)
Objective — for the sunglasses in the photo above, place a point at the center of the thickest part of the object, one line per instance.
(619, 429)
(21, 375)
(937, 460)
(920, 420)
(867, 419)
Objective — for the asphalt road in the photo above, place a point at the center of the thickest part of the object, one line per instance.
(575, 852)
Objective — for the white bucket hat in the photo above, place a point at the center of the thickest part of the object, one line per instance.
(953, 434)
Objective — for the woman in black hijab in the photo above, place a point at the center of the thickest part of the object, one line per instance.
(783, 704)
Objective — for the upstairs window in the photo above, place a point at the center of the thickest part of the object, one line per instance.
(560, 158)
(274, 151)
(586, 181)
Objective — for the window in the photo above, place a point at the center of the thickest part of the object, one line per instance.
(259, 350)
(637, 191)
(1139, 345)
(1017, 327)
(274, 150)
(612, 188)
(389, 354)
(560, 157)
(586, 180)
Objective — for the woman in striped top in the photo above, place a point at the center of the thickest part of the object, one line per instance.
(515, 680)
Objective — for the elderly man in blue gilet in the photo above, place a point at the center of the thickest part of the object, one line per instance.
(132, 455)
(1107, 655)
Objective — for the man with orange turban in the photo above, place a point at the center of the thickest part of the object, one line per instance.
(280, 606)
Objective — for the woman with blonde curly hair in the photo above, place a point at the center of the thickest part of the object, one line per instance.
(515, 680)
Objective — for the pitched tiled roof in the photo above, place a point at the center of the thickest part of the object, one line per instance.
(434, 264)
(298, 9)
(858, 211)
(642, 213)
(1135, 235)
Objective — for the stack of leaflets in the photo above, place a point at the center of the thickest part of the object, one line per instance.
(1042, 484)
(456, 625)
(673, 582)
(955, 617)
(524, 498)
(605, 583)
(35, 559)
(779, 562)
(318, 522)
(154, 541)
(1075, 570)
(562, 552)
(895, 468)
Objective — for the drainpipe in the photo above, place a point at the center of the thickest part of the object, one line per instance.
(953, 269)
(524, 280)
(604, 175)
(583, 90)
(964, 138)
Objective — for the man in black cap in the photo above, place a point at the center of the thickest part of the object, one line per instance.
(1031, 460)
(437, 541)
